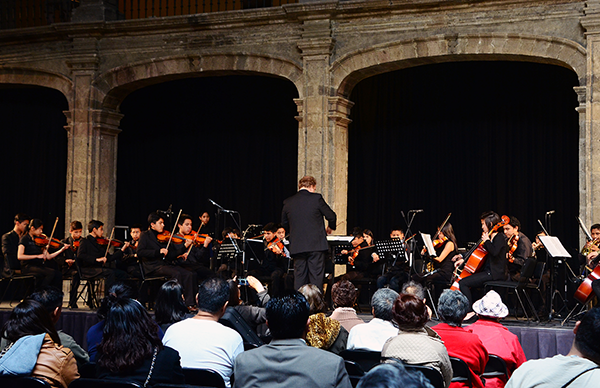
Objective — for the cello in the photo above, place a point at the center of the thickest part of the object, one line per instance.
(584, 292)
(476, 257)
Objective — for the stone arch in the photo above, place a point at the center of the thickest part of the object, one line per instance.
(112, 86)
(350, 69)
(35, 77)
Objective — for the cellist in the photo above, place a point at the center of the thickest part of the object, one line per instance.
(494, 267)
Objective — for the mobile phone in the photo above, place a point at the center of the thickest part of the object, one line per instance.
(243, 282)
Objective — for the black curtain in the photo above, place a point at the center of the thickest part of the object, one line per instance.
(465, 138)
(34, 155)
(233, 139)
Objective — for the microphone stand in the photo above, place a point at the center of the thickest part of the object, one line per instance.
(408, 221)
(237, 223)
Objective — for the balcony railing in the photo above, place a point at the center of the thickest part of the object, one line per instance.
(34, 13)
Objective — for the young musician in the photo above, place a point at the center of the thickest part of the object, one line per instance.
(589, 253)
(275, 263)
(69, 256)
(157, 259)
(204, 219)
(494, 267)
(33, 257)
(10, 244)
(193, 258)
(129, 262)
(94, 256)
(519, 248)
(445, 249)
(360, 258)
(396, 274)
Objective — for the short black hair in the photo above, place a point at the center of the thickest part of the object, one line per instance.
(136, 226)
(287, 315)
(184, 217)
(490, 219)
(587, 338)
(94, 224)
(50, 297)
(271, 227)
(392, 375)
(76, 225)
(153, 218)
(595, 226)
(213, 293)
(514, 222)
(20, 217)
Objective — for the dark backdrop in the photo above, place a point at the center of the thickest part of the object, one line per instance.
(464, 138)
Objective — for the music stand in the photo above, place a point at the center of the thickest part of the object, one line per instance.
(557, 251)
(229, 250)
(394, 247)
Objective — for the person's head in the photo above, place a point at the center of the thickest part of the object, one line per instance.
(280, 232)
(96, 228)
(287, 316)
(382, 303)
(129, 337)
(397, 233)
(587, 335)
(169, 306)
(135, 231)
(343, 294)
(414, 288)
(230, 232)
(36, 227)
(453, 307)
(21, 222)
(359, 238)
(307, 182)
(51, 298)
(75, 230)
(491, 306)
(595, 231)
(213, 295)
(204, 218)
(185, 224)
(118, 290)
(393, 375)
(234, 293)
(368, 236)
(409, 312)
(314, 297)
(488, 220)
(512, 228)
(156, 222)
(29, 318)
(270, 229)
(448, 231)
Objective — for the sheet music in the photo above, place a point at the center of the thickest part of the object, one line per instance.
(554, 246)
(427, 240)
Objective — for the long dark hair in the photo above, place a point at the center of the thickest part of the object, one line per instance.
(169, 306)
(129, 337)
(34, 224)
(448, 231)
(29, 318)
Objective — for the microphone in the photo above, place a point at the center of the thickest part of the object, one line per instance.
(550, 212)
(216, 204)
(254, 225)
(416, 211)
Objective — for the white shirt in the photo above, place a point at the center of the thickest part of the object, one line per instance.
(205, 344)
(372, 335)
(554, 373)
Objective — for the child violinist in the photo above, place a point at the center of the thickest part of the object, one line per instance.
(33, 255)
(445, 249)
(68, 266)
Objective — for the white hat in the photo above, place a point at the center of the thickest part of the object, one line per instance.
(491, 306)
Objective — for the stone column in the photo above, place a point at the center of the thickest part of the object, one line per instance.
(92, 145)
(323, 121)
(584, 165)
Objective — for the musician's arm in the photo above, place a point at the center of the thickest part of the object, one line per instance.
(449, 248)
(495, 246)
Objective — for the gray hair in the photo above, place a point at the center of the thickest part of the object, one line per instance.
(382, 303)
(414, 288)
(453, 307)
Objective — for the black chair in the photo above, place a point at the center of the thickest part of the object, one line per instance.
(203, 377)
(366, 359)
(433, 375)
(99, 383)
(90, 287)
(145, 280)
(495, 368)
(461, 372)
(355, 372)
(22, 382)
(23, 280)
(519, 287)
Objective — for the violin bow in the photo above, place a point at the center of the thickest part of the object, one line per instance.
(109, 241)
(175, 226)
(52, 234)
(442, 227)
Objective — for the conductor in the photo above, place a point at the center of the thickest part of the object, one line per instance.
(302, 216)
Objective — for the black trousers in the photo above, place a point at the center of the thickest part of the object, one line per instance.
(475, 280)
(44, 276)
(309, 267)
(183, 276)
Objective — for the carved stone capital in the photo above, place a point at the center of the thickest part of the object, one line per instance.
(581, 96)
(339, 110)
(107, 122)
(591, 20)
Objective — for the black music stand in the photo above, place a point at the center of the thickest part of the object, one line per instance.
(559, 254)
(394, 247)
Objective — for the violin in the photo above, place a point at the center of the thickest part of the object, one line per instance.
(276, 242)
(164, 237)
(439, 242)
(113, 243)
(75, 245)
(42, 241)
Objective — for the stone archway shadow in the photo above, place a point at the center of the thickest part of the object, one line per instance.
(24, 76)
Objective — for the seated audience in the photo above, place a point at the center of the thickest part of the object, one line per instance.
(416, 343)
(202, 342)
(452, 309)
(373, 335)
(131, 350)
(255, 316)
(416, 289)
(169, 307)
(578, 369)
(393, 375)
(495, 337)
(323, 332)
(37, 348)
(343, 294)
(287, 362)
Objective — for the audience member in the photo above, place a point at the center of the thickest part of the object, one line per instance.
(35, 347)
(580, 368)
(416, 343)
(416, 289)
(495, 337)
(131, 350)
(323, 332)
(169, 307)
(343, 294)
(373, 335)
(393, 375)
(287, 362)
(202, 342)
(452, 309)
(255, 316)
